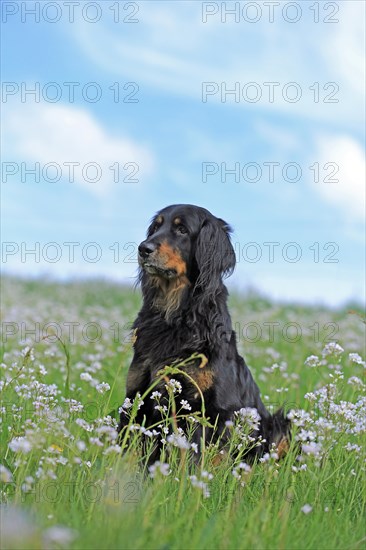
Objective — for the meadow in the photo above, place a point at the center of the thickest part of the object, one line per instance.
(66, 348)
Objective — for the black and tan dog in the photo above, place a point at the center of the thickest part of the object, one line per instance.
(183, 261)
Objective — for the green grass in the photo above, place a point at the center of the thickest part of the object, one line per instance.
(64, 483)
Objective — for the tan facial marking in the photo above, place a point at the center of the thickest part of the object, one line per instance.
(172, 259)
(171, 290)
(177, 221)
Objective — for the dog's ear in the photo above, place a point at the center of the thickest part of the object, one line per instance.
(214, 253)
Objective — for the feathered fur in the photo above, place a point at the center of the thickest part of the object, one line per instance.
(183, 261)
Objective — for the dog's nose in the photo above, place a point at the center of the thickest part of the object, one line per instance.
(146, 248)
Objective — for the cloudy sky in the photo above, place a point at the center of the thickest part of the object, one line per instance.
(254, 110)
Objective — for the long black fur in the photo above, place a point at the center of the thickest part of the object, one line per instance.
(197, 320)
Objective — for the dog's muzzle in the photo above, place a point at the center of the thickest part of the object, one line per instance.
(149, 261)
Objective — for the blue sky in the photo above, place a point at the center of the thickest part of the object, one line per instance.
(170, 132)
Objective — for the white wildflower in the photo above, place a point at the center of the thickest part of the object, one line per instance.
(249, 416)
(199, 484)
(81, 445)
(312, 361)
(353, 447)
(83, 424)
(185, 405)
(311, 448)
(58, 536)
(155, 395)
(5, 475)
(355, 381)
(356, 358)
(299, 417)
(306, 509)
(174, 385)
(42, 370)
(178, 441)
(102, 387)
(310, 396)
(108, 432)
(264, 458)
(74, 406)
(27, 351)
(20, 445)
(161, 408)
(95, 441)
(28, 484)
(127, 404)
(112, 449)
(159, 467)
(305, 435)
(194, 446)
(241, 471)
(332, 349)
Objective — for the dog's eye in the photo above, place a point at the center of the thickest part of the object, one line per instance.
(154, 228)
(181, 229)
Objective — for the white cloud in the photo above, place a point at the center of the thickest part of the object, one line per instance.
(345, 46)
(63, 134)
(348, 193)
(173, 50)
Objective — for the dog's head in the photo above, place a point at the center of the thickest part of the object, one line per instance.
(186, 247)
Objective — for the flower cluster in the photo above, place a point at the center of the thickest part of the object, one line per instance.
(201, 482)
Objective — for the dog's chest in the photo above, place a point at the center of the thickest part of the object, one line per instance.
(177, 347)
(160, 342)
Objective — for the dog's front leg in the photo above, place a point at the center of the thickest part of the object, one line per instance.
(138, 379)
